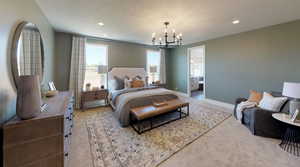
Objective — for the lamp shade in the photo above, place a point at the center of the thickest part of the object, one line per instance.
(102, 69)
(29, 99)
(291, 89)
(153, 69)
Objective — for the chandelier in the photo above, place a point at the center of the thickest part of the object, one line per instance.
(175, 42)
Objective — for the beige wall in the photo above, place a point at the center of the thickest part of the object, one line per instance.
(13, 12)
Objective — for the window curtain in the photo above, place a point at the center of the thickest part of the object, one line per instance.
(77, 71)
(30, 53)
(162, 74)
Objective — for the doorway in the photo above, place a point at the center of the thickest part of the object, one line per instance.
(196, 72)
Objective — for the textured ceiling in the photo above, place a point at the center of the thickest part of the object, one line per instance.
(135, 20)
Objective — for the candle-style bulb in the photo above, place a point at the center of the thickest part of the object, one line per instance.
(173, 31)
(153, 35)
(180, 35)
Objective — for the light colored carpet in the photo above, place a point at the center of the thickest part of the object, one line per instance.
(114, 146)
(229, 144)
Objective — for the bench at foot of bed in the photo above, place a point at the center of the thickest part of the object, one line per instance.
(145, 118)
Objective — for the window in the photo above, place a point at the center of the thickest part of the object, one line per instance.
(153, 65)
(96, 65)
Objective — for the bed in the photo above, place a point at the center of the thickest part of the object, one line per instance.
(123, 100)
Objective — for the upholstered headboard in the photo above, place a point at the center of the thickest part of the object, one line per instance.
(121, 72)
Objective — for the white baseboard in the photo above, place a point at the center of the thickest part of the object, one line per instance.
(221, 104)
(181, 93)
(228, 106)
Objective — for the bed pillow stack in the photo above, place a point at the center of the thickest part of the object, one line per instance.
(126, 82)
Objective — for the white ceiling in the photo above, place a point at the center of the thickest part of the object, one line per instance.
(135, 20)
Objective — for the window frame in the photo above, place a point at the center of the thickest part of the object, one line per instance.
(148, 65)
(95, 43)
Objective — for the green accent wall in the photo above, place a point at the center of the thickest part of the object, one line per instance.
(120, 54)
(260, 59)
(12, 12)
(176, 69)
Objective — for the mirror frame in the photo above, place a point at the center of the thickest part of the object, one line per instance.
(14, 52)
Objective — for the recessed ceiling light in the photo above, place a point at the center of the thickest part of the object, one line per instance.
(235, 22)
(101, 24)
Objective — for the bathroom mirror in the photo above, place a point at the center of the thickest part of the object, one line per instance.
(27, 54)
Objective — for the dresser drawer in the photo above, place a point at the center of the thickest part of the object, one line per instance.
(24, 132)
(33, 151)
(94, 96)
(54, 161)
(101, 93)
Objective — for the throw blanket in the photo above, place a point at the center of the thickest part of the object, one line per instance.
(124, 100)
(117, 93)
(241, 107)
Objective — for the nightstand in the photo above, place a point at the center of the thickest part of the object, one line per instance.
(93, 95)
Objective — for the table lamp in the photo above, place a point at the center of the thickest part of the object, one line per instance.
(153, 70)
(102, 69)
(292, 89)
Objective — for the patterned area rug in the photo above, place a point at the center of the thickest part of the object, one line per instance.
(114, 146)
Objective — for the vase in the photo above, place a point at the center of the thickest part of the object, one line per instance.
(29, 99)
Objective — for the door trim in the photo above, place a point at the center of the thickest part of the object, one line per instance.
(188, 70)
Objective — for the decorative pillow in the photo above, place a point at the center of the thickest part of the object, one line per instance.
(138, 77)
(137, 83)
(119, 83)
(286, 106)
(127, 83)
(268, 102)
(255, 96)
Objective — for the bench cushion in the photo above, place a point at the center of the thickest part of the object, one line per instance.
(145, 112)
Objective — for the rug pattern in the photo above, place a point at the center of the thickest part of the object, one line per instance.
(114, 146)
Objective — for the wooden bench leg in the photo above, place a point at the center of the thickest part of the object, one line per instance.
(151, 125)
(180, 112)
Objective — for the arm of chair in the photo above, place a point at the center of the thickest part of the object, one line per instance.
(238, 101)
(263, 124)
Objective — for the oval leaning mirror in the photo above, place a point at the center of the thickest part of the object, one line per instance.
(27, 52)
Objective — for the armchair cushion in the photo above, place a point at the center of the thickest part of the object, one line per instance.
(261, 123)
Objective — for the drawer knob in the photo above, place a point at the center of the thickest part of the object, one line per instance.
(66, 154)
(70, 133)
(66, 136)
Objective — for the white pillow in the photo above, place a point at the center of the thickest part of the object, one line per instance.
(127, 83)
(268, 102)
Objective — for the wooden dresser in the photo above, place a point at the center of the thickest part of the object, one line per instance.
(43, 141)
